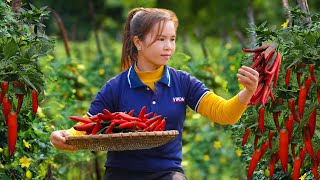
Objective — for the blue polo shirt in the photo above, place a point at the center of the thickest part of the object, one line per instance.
(173, 92)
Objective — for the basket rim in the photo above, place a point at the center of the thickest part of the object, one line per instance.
(126, 134)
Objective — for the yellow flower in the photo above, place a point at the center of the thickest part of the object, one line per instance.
(29, 174)
(25, 162)
(1, 150)
(26, 144)
(81, 66)
(232, 67)
(285, 24)
(54, 166)
(223, 160)
(303, 177)
(217, 144)
(101, 72)
(238, 152)
(8, 1)
(228, 46)
(196, 116)
(40, 113)
(206, 157)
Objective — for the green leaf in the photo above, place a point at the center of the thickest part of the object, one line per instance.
(23, 61)
(26, 79)
(310, 39)
(10, 49)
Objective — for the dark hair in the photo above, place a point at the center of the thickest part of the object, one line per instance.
(139, 23)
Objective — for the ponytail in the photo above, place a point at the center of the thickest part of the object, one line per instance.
(129, 53)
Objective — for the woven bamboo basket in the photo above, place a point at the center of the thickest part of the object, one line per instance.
(122, 141)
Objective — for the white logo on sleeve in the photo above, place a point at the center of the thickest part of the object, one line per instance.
(178, 99)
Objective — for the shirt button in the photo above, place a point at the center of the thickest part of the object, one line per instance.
(153, 102)
(148, 88)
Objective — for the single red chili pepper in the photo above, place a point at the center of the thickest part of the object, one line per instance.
(271, 133)
(253, 163)
(152, 120)
(12, 132)
(311, 70)
(108, 114)
(296, 168)
(276, 119)
(141, 124)
(130, 124)
(289, 125)
(273, 66)
(302, 100)
(4, 88)
(119, 121)
(142, 112)
(256, 139)
(155, 124)
(146, 116)
(299, 74)
(273, 160)
(292, 108)
(302, 153)
(6, 108)
(20, 101)
(127, 117)
(318, 156)
(307, 83)
(80, 119)
(312, 121)
(131, 112)
(256, 49)
(110, 128)
(163, 124)
(245, 137)
(256, 55)
(284, 149)
(276, 76)
(84, 127)
(96, 128)
(257, 62)
(34, 102)
(287, 78)
(307, 141)
(318, 93)
(160, 126)
(94, 118)
(315, 170)
(264, 148)
(261, 120)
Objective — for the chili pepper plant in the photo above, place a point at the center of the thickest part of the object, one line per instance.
(22, 44)
(281, 137)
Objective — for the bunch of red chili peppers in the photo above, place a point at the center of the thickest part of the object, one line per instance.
(108, 123)
(10, 114)
(297, 123)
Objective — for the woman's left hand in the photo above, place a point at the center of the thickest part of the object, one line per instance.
(249, 78)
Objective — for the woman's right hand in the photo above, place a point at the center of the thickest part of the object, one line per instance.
(58, 140)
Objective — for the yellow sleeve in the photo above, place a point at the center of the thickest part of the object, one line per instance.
(220, 110)
(74, 132)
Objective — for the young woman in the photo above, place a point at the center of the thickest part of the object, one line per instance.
(146, 80)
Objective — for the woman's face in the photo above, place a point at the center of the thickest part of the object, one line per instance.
(154, 54)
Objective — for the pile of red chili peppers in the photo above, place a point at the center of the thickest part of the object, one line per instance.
(108, 123)
(295, 124)
(10, 114)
